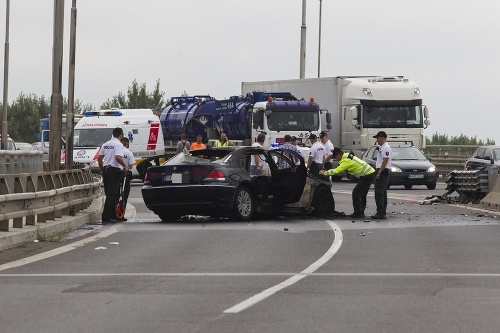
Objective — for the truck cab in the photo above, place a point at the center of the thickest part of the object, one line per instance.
(391, 104)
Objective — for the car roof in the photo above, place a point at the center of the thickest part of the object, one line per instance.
(397, 146)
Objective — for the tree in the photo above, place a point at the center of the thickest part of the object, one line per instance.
(443, 139)
(138, 98)
(78, 107)
(25, 112)
(24, 115)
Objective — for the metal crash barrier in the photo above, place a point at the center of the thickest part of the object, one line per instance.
(471, 185)
(29, 195)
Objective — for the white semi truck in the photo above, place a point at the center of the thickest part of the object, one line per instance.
(360, 106)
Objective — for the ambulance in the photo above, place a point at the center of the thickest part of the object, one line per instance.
(140, 126)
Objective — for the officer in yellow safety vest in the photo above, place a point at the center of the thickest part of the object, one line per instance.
(358, 168)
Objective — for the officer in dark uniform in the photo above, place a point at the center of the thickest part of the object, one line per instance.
(113, 168)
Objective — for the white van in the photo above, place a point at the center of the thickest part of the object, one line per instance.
(141, 126)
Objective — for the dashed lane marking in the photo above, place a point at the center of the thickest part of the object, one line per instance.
(28, 260)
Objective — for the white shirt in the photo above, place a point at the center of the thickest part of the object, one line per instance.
(328, 148)
(110, 149)
(262, 158)
(384, 151)
(129, 158)
(317, 152)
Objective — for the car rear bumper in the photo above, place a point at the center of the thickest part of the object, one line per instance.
(403, 178)
(189, 199)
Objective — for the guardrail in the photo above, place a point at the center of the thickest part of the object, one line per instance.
(28, 197)
(471, 185)
(450, 150)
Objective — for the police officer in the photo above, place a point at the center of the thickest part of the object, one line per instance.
(359, 169)
(383, 167)
(113, 167)
(316, 156)
(323, 136)
(130, 161)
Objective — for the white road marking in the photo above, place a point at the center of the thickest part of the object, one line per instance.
(247, 274)
(130, 213)
(295, 278)
(21, 262)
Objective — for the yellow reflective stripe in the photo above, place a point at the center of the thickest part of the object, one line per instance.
(365, 167)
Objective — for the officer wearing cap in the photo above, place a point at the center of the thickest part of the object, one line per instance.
(383, 167)
(359, 169)
(316, 156)
(113, 167)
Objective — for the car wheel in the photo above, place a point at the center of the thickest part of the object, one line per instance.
(431, 186)
(408, 187)
(169, 216)
(323, 202)
(243, 204)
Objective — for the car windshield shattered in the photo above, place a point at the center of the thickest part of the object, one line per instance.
(200, 157)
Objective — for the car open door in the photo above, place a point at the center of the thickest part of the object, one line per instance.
(288, 175)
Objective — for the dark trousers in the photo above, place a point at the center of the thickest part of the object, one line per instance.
(315, 168)
(360, 192)
(126, 190)
(327, 166)
(112, 179)
(381, 191)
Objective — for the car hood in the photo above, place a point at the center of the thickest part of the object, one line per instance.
(412, 164)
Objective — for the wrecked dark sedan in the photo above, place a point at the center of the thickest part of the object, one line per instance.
(217, 182)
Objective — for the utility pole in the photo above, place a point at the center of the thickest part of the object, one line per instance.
(56, 98)
(5, 132)
(303, 41)
(319, 37)
(70, 115)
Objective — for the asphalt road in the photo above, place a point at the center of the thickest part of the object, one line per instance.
(424, 269)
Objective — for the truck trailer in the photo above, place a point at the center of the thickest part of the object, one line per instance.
(360, 106)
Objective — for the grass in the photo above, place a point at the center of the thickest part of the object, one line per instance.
(41, 235)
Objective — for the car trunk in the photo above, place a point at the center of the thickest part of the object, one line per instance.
(181, 174)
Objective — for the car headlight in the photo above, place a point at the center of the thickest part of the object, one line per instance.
(395, 169)
(94, 164)
(431, 169)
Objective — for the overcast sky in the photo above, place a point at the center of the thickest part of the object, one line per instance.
(449, 47)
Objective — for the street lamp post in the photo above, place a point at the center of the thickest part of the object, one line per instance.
(303, 41)
(70, 115)
(5, 133)
(56, 98)
(319, 37)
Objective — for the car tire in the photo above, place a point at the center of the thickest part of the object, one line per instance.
(408, 187)
(323, 202)
(169, 216)
(431, 186)
(243, 204)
